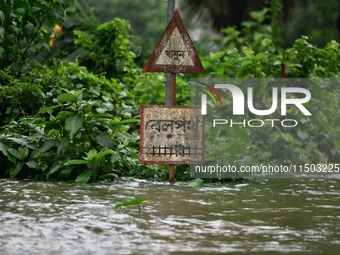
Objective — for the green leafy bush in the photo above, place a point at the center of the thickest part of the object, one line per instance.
(79, 121)
(25, 28)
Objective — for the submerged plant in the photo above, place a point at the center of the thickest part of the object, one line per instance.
(196, 182)
(135, 201)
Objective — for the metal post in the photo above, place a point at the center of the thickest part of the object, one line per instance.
(172, 101)
(170, 88)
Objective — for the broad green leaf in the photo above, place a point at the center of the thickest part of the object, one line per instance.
(90, 155)
(14, 152)
(48, 109)
(104, 140)
(51, 127)
(22, 141)
(64, 174)
(102, 154)
(249, 53)
(75, 162)
(79, 94)
(135, 201)
(84, 177)
(2, 51)
(196, 183)
(114, 157)
(219, 55)
(260, 56)
(22, 4)
(67, 97)
(14, 171)
(32, 164)
(46, 146)
(53, 170)
(2, 16)
(73, 124)
(63, 145)
(3, 149)
(2, 34)
(20, 154)
(23, 152)
(247, 63)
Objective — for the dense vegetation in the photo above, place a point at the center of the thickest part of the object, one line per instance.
(70, 102)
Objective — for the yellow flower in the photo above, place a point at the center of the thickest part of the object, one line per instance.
(57, 31)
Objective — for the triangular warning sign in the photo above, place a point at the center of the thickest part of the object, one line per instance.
(175, 52)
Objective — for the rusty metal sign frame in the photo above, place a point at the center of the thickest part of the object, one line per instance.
(195, 67)
(163, 149)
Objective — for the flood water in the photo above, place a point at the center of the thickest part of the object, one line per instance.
(276, 216)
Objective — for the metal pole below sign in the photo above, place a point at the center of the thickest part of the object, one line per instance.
(170, 87)
(172, 102)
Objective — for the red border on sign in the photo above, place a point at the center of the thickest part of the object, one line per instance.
(141, 131)
(151, 66)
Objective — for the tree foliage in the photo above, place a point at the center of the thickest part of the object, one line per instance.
(78, 120)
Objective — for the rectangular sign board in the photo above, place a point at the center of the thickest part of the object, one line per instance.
(171, 134)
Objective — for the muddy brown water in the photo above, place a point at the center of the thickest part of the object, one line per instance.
(276, 216)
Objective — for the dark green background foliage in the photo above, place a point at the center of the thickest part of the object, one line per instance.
(72, 112)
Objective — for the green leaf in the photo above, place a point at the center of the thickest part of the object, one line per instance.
(21, 141)
(53, 170)
(260, 56)
(79, 94)
(32, 164)
(14, 171)
(247, 63)
(249, 53)
(23, 152)
(21, 4)
(104, 140)
(84, 177)
(48, 109)
(114, 157)
(90, 155)
(102, 154)
(2, 16)
(3, 149)
(195, 183)
(2, 51)
(67, 97)
(63, 145)
(2, 34)
(73, 124)
(64, 174)
(46, 146)
(75, 162)
(20, 154)
(135, 201)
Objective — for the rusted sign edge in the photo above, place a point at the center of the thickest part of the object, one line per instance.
(141, 131)
(151, 66)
